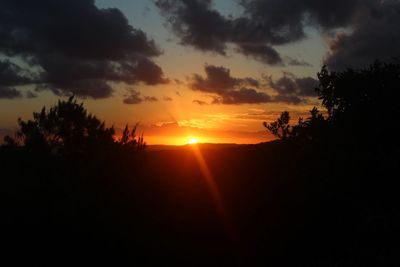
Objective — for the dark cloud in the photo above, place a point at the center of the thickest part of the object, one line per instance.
(219, 80)
(30, 94)
(135, 97)
(75, 47)
(196, 24)
(283, 21)
(261, 52)
(296, 62)
(289, 99)
(150, 99)
(167, 98)
(148, 72)
(251, 82)
(11, 75)
(306, 86)
(9, 92)
(226, 89)
(293, 90)
(375, 36)
(200, 102)
(372, 30)
(242, 96)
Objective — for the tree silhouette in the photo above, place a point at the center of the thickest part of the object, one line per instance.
(363, 102)
(356, 101)
(280, 127)
(67, 126)
(309, 128)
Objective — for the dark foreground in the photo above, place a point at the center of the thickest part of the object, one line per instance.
(280, 205)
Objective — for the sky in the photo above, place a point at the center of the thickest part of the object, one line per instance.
(184, 69)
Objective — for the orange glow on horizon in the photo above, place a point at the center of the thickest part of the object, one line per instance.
(185, 139)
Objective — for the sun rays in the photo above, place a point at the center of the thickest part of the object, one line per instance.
(215, 193)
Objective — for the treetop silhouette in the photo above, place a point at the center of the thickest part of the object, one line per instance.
(356, 100)
(68, 126)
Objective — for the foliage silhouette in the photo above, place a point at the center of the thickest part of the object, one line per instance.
(67, 127)
(347, 162)
(130, 140)
(354, 101)
(308, 129)
(280, 127)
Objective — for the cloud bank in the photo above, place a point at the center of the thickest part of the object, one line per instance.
(371, 28)
(135, 97)
(72, 47)
(225, 89)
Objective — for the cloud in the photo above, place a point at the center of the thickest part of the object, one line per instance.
(375, 36)
(11, 75)
(150, 99)
(30, 94)
(135, 97)
(296, 62)
(261, 52)
(242, 96)
(293, 90)
(263, 24)
(218, 79)
(371, 28)
(167, 98)
(196, 24)
(75, 47)
(200, 102)
(9, 93)
(226, 89)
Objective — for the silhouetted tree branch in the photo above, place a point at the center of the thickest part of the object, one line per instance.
(280, 127)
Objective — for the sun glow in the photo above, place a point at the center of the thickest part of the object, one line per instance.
(192, 141)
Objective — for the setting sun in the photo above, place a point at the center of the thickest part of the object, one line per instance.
(192, 141)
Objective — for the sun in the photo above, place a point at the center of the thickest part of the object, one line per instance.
(192, 141)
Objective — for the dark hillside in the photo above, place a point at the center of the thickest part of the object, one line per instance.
(324, 194)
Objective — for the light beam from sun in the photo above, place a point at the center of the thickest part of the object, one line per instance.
(215, 193)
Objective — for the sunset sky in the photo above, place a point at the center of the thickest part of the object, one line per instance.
(184, 69)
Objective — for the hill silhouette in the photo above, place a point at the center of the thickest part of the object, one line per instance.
(324, 194)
